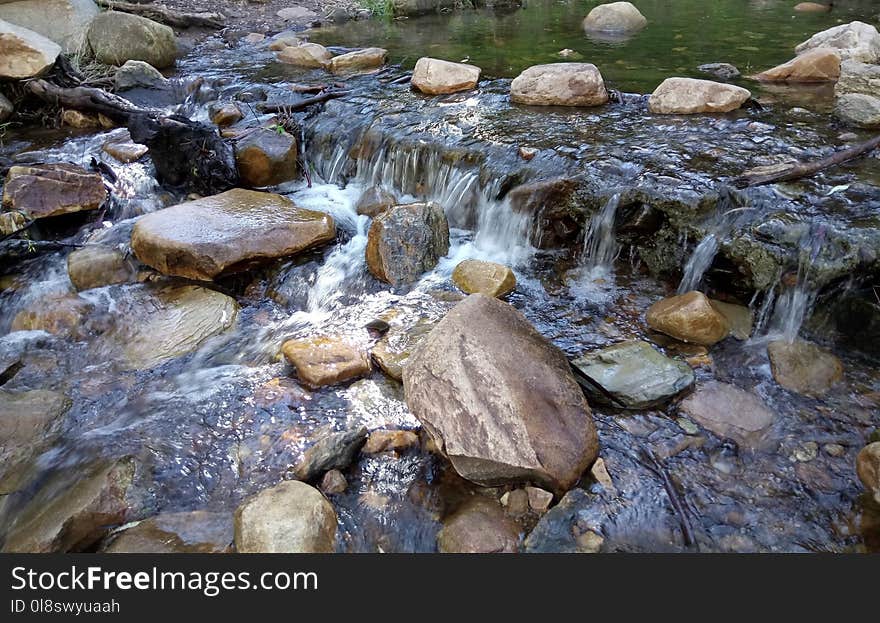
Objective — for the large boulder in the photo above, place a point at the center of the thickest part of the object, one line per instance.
(24, 53)
(43, 190)
(559, 84)
(489, 278)
(858, 109)
(857, 41)
(29, 421)
(857, 77)
(435, 77)
(615, 17)
(479, 527)
(728, 411)
(117, 37)
(266, 157)
(308, 55)
(195, 532)
(405, 241)
(227, 233)
(803, 367)
(868, 468)
(819, 65)
(321, 361)
(73, 509)
(688, 96)
(636, 373)
(499, 400)
(63, 21)
(358, 61)
(688, 317)
(289, 518)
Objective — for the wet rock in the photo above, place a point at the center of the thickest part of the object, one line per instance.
(435, 77)
(226, 113)
(856, 77)
(117, 37)
(479, 527)
(819, 65)
(395, 348)
(636, 374)
(405, 241)
(266, 157)
(58, 314)
(804, 368)
(688, 317)
(516, 502)
(499, 400)
(227, 233)
(195, 532)
(729, 412)
(289, 518)
(858, 109)
(739, 318)
(857, 41)
(321, 361)
(79, 121)
(73, 509)
(549, 202)
(868, 469)
(125, 150)
(308, 55)
(723, 71)
(44, 190)
(154, 325)
(375, 200)
(139, 75)
(558, 530)
(559, 84)
(600, 474)
(97, 266)
(332, 451)
(333, 482)
(390, 441)
(63, 21)
(615, 17)
(688, 96)
(283, 40)
(539, 499)
(6, 108)
(489, 278)
(358, 61)
(24, 53)
(29, 422)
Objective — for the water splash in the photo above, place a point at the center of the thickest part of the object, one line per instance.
(699, 262)
(600, 247)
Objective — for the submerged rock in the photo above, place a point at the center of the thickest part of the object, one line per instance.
(227, 233)
(195, 532)
(688, 317)
(819, 65)
(333, 451)
(688, 96)
(559, 84)
(358, 61)
(804, 368)
(24, 53)
(615, 17)
(868, 468)
(435, 77)
(856, 77)
(636, 374)
(405, 241)
(139, 75)
(724, 71)
(29, 423)
(394, 350)
(60, 314)
(739, 318)
(499, 400)
(225, 113)
(117, 37)
(104, 259)
(125, 150)
(63, 21)
(728, 411)
(858, 109)
(321, 361)
(811, 7)
(375, 200)
(479, 527)
(489, 278)
(289, 518)
(73, 509)
(390, 441)
(266, 157)
(308, 55)
(857, 41)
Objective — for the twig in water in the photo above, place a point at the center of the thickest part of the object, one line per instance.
(657, 467)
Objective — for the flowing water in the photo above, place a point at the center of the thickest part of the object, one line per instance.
(210, 427)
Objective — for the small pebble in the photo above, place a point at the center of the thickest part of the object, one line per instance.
(806, 451)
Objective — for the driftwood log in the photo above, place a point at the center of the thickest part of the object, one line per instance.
(296, 106)
(163, 14)
(805, 169)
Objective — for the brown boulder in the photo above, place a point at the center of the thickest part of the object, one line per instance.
(688, 317)
(405, 241)
(435, 77)
(266, 157)
(390, 441)
(44, 190)
(688, 96)
(559, 84)
(804, 368)
(489, 278)
(728, 411)
(309, 55)
(819, 65)
(126, 151)
(358, 61)
(321, 361)
(57, 314)
(479, 527)
(24, 53)
(615, 17)
(226, 114)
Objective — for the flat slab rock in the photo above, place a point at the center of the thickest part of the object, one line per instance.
(321, 361)
(636, 373)
(195, 532)
(43, 190)
(804, 368)
(227, 233)
(728, 411)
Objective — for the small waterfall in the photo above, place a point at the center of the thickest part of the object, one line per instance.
(600, 247)
(698, 263)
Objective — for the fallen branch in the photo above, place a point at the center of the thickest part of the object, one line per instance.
(805, 169)
(295, 106)
(660, 471)
(160, 13)
(87, 99)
